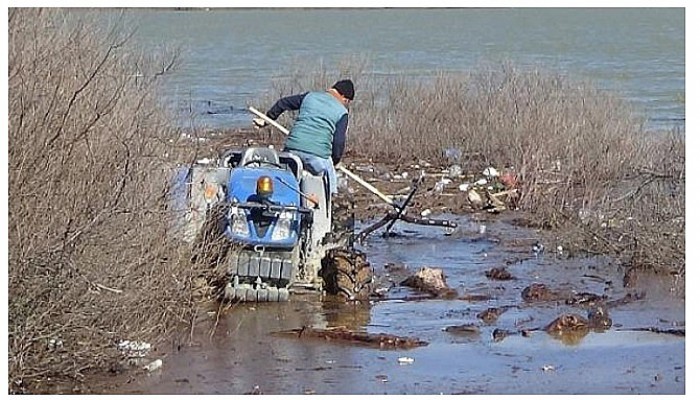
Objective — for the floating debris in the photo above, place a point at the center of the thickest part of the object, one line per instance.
(499, 274)
(585, 298)
(567, 322)
(598, 319)
(500, 334)
(548, 368)
(405, 360)
(430, 280)
(342, 334)
(539, 292)
(569, 328)
(474, 297)
(491, 314)
(469, 329)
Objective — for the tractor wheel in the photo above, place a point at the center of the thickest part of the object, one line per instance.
(343, 220)
(347, 273)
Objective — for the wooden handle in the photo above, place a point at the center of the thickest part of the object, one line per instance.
(269, 120)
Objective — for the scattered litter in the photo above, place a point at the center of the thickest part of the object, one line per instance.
(481, 182)
(55, 344)
(455, 171)
(464, 187)
(382, 378)
(509, 180)
(548, 368)
(491, 172)
(453, 154)
(153, 365)
(134, 349)
(405, 360)
(204, 161)
(425, 212)
(537, 248)
(475, 199)
(482, 229)
(439, 187)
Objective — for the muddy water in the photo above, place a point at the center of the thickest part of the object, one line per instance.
(240, 354)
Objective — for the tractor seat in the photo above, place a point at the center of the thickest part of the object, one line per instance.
(263, 154)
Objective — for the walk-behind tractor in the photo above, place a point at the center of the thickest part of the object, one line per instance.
(272, 225)
(275, 227)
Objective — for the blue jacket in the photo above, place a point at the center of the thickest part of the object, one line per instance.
(321, 126)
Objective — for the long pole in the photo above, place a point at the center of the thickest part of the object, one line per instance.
(342, 169)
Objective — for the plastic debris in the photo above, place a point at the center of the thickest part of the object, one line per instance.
(152, 366)
(464, 187)
(491, 172)
(405, 360)
(455, 171)
(548, 368)
(134, 349)
(475, 199)
(453, 154)
(481, 182)
(537, 248)
(55, 344)
(425, 212)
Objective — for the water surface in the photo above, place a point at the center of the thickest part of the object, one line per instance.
(230, 56)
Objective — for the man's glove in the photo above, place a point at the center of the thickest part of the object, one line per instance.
(259, 122)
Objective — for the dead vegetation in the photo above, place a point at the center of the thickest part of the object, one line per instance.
(91, 260)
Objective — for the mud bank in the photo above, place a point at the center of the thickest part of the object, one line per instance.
(640, 353)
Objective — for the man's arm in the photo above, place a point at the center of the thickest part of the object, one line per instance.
(339, 139)
(288, 103)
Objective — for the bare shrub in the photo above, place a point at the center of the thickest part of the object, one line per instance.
(91, 261)
(580, 154)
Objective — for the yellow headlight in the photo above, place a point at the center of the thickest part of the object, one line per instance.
(264, 186)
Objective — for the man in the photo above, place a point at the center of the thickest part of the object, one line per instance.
(319, 131)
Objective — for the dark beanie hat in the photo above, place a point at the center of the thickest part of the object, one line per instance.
(345, 88)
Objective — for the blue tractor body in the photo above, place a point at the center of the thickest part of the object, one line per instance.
(278, 225)
(274, 219)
